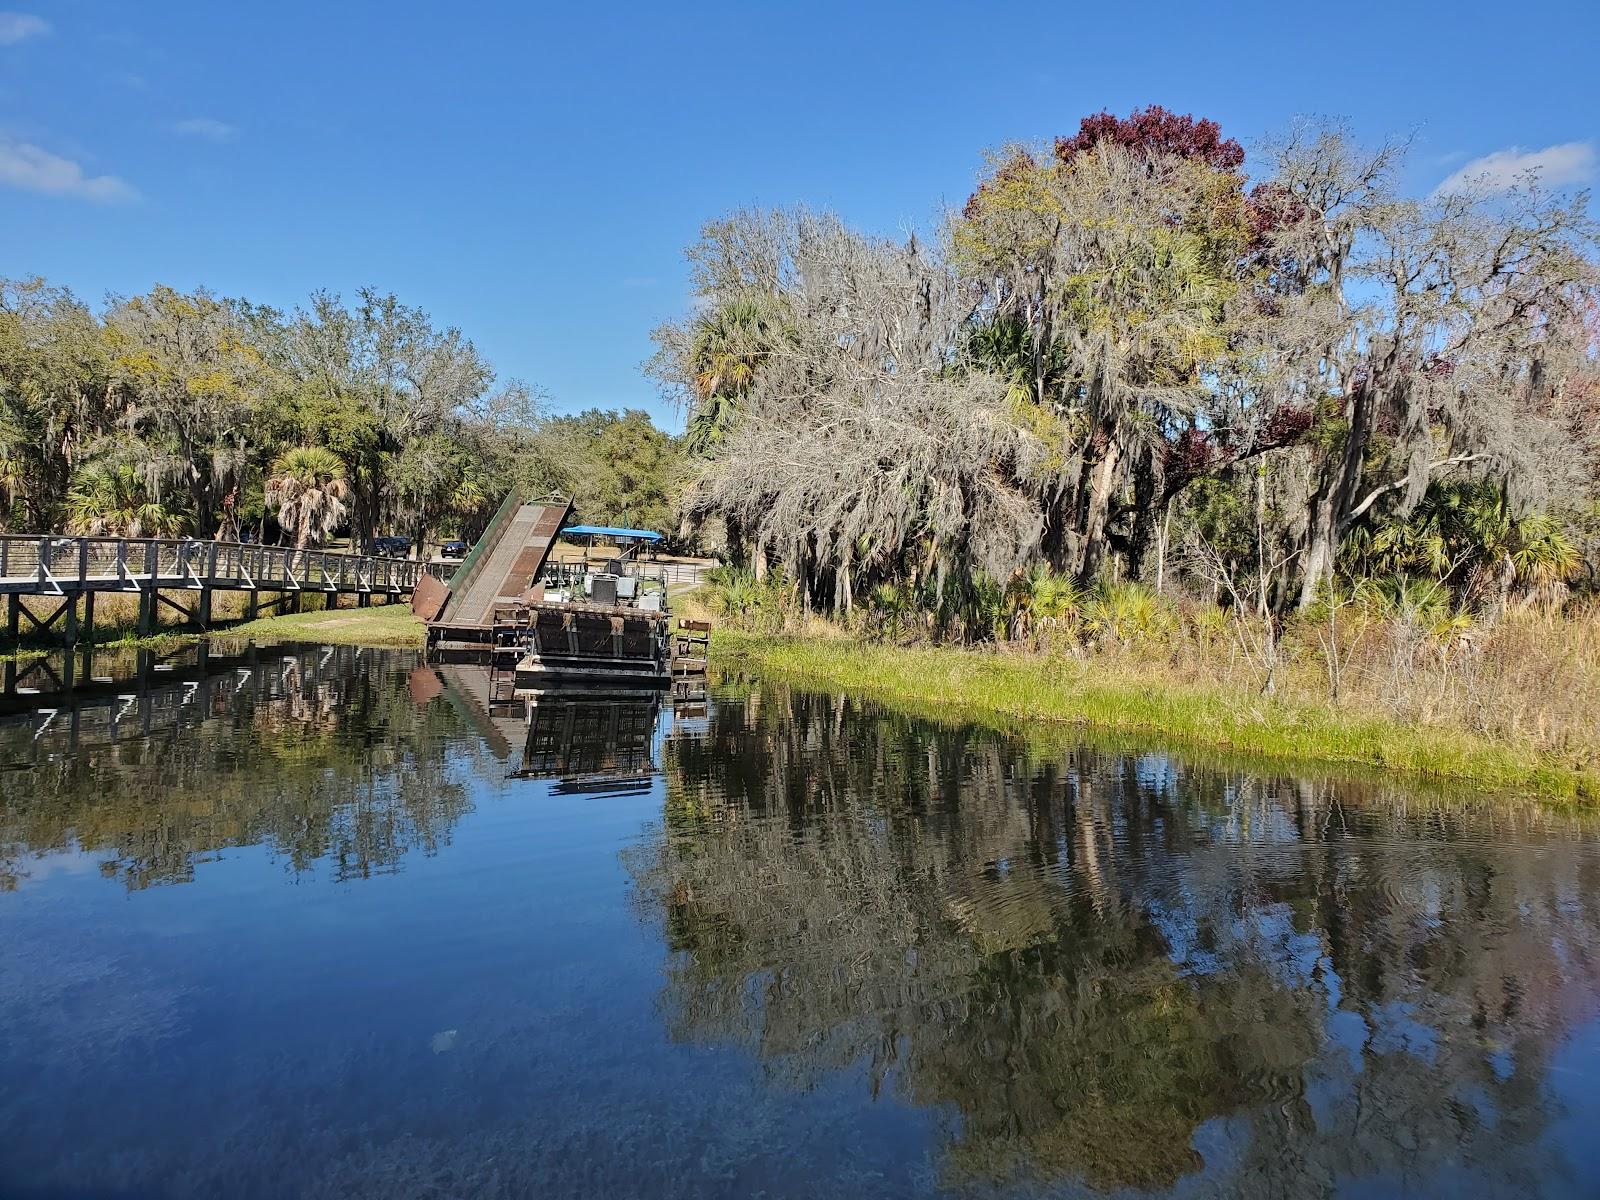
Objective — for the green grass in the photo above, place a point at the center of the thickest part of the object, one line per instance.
(1015, 690)
(384, 625)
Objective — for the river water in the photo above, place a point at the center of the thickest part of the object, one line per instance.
(317, 922)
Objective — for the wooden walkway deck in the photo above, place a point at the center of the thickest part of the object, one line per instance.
(69, 572)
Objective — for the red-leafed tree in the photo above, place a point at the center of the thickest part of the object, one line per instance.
(1159, 131)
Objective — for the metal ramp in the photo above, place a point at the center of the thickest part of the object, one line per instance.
(506, 561)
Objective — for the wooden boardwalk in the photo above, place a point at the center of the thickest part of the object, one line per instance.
(69, 572)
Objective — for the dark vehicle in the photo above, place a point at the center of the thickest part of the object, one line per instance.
(455, 549)
(391, 547)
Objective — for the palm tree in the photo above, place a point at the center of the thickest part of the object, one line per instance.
(1466, 534)
(730, 344)
(308, 489)
(106, 499)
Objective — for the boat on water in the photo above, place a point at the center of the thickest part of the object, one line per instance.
(544, 623)
(587, 628)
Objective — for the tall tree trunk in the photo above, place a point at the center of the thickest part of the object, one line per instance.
(1335, 497)
(1103, 478)
(1163, 537)
(1146, 516)
(364, 516)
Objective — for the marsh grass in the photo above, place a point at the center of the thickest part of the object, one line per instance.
(1200, 694)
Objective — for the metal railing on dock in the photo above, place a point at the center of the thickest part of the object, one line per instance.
(63, 569)
(52, 566)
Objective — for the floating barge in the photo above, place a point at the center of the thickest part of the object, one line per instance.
(545, 627)
(557, 644)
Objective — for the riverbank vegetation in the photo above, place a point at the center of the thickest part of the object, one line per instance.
(1126, 359)
(1541, 745)
(173, 413)
(1203, 438)
(1377, 674)
(380, 625)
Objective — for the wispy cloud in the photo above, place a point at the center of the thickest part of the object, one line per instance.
(24, 165)
(19, 27)
(208, 128)
(1570, 162)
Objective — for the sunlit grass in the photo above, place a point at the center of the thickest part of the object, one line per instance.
(1007, 688)
(383, 625)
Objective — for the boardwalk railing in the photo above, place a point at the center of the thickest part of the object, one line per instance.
(671, 572)
(62, 566)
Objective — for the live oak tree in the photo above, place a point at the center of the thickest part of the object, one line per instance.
(54, 401)
(196, 386)
(380, 377)
(1121, 333)
(1428, 335)
(168, 412)
(866, 449)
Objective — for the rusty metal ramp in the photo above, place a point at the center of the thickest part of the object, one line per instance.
(506, 561)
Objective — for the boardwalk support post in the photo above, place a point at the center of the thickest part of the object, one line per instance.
(207, 587)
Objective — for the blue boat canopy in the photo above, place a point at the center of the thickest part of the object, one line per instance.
(639, 535)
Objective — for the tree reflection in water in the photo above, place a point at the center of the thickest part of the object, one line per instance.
(318, 753)
(1105, 968)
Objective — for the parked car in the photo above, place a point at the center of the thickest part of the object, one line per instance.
(456, 549)
(392, 547)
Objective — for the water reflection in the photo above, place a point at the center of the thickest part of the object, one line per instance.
(839, 953)
(311, 751)
(1107, 969)
(592, 745)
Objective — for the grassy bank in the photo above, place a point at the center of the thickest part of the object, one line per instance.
(384, 625)
(1009, 689)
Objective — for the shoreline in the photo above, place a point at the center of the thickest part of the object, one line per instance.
(384, 625)
(1020, 692)
(1013, 691)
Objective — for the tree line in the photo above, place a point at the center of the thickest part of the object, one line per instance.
(184, 413)
(1126, 359)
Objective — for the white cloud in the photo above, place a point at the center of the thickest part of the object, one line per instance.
(27, 167)
(17, 27)
(1570, 162)
(209, 128)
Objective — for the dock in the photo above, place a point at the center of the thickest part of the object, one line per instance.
(70, 572)
(543, 627)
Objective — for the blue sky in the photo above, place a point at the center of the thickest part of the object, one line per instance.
(532, 173)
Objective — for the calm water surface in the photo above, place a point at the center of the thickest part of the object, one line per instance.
(318, 923)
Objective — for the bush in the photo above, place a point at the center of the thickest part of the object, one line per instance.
(735, 597)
